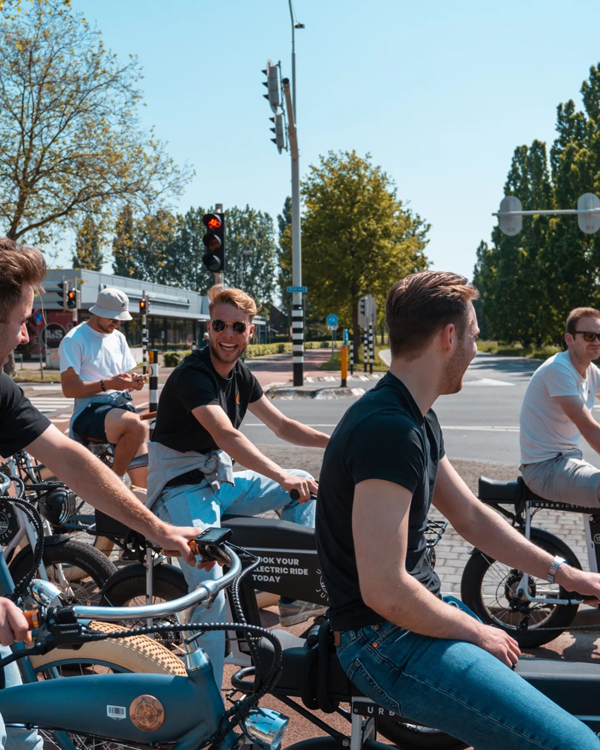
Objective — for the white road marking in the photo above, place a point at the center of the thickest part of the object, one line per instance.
(473, 428)
(487, 382)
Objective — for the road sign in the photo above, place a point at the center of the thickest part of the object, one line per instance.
(367, 311)
(38, 318)
(300, 289)
(588, 223)
(346, 337)
(510, 225)
(332, 321)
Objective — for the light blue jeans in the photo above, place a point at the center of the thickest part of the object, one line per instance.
(197, 505)
(16, 737)
(459, 688)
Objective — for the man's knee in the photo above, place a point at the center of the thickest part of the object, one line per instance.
(132, 426)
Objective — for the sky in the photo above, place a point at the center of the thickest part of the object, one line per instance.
(440, 94)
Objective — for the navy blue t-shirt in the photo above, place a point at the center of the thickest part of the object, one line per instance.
(20, 422)
(382, 436)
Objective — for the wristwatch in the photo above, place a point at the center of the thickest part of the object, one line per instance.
(102, 386)
(556, 563)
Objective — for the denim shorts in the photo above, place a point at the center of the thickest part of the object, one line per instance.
(90, 423)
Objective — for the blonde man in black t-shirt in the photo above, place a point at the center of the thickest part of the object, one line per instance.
(201, 408)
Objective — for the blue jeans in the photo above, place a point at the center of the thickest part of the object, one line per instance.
(16, 737)
(198, 505)
(459, 688)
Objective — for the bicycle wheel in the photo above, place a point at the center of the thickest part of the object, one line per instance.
(78, 569)
(136, 654)
(130, 591)
(489, 588)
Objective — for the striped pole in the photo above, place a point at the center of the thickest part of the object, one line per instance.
(298, 341)
(371, 352)
(365, 349)
(352, 355)
(145, 335)
(153, 395)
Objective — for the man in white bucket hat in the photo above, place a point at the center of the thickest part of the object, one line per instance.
(95, 365)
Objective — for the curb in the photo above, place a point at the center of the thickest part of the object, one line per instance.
(317, 393)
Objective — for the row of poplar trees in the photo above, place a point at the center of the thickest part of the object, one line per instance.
(530, 282)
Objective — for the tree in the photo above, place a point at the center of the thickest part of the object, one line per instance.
(284, 255)
(88, 250)
(530, 282)
(357, 236)
(71, 142)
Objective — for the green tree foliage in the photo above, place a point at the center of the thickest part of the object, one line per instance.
(168, 249)
(284, 255)
(530, 282)
(358, 237)
(88, 247)
(71, 141)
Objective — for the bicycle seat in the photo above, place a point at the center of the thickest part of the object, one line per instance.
(96, 441)
(497, 491)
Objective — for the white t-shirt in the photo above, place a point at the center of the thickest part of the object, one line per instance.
(94, 356)
(546, 431)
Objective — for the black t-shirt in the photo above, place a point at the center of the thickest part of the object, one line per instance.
(382, 436)
(195, 382)
(20, 422)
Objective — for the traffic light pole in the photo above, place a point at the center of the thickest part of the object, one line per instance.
(219, 277)
(145, 334)
(297, 300)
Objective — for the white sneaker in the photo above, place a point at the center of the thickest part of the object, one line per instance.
(294, 612)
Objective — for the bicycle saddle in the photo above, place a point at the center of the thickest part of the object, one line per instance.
(139, 462)
(497, 491)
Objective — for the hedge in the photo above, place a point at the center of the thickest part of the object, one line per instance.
(172, 359)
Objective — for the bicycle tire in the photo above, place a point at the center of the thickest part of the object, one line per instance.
(168, 584)
(484, 577)
(78, 558)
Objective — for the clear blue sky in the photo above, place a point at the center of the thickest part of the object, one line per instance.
(439, 93)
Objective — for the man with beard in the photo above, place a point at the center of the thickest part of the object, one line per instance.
(197, 435)
(95, 364)
(401, 643)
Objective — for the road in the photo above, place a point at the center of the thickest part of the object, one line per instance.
(480, 423)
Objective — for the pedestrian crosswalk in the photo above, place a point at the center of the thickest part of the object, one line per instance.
(49, 404)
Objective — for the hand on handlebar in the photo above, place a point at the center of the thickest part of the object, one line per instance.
(13, 624)
(176, 541)
(300, 488)
(498, 643)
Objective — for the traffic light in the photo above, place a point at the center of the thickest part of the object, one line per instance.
(144, 306)
(362, 306)
(214, 242)
(72, 299)
(63, 295)
(273, 94)
(279, 139)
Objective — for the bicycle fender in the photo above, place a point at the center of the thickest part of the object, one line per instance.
(164, 571)
(547, 536)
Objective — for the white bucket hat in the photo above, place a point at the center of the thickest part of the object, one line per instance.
(112, 303)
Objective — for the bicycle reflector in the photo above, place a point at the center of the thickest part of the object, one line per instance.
(58, 505)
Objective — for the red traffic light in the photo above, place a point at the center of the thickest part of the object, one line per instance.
(213, 223)
(71, 299)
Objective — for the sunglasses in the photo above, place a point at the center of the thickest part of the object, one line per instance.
(220, 325)
(589, 336)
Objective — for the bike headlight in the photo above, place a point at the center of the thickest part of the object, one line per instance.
(266, 727)
(58, 505)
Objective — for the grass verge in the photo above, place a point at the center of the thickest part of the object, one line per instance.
(517, 350)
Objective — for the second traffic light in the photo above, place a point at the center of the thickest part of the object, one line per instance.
(214, 242)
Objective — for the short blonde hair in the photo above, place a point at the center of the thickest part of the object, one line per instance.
(218, 295)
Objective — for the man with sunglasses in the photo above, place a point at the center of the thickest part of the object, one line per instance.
(557, 411)
(95, 365)
(200, 410)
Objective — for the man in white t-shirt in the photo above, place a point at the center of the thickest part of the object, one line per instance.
(95, 364)
(557, 411)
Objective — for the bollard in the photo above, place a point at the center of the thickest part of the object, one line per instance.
(153, 395)
(351, 356)
(370, 349)
(365, 349)
(344, 366)
(144, 343)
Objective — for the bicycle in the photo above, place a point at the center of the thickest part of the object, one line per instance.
(185, 710)
(533, 611)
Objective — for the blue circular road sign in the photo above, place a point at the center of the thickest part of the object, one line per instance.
(38, 318)
(332, 320)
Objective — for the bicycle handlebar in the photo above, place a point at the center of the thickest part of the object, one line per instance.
(4, 483)
(206, 591)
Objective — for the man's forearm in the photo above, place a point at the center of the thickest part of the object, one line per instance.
(244, 452)
(410, 605)
(299, 434)
(82, 388)
(494, 536)
(592, 436)
(98, 485)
